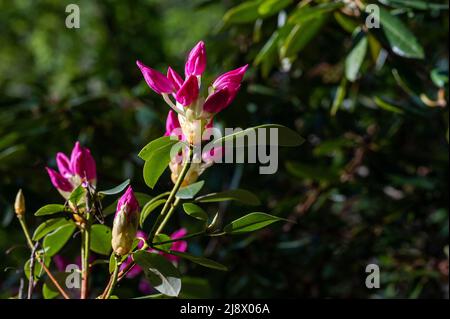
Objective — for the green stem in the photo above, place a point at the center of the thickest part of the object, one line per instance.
(114, 279)
(168, 205)
(39, 259)
(85, 245)
(167, 217)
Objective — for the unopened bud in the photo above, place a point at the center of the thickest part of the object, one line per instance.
(19, 204)
(125, 223)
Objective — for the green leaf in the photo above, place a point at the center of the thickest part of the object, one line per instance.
(195, 211)
(161, 238)
(190, 191)
(243, 13)
(387, 106)
(356, 56)
(49, 209)
(268, 50)
(101, 239)
(195, 288)
(154, 146)
(286, 136)
(415, 4)
(157, 158)
(271, 7)
(77, 195)
(306, 13)
(161, 273)
(250, 222)
(116, 190)
(48, 293)
(401, 40)
(49, 226)
(148, 208)
(38, 271)
(240, 195)
(56, 240)
(339, 96)
(300, 36)
(439, 78)
(205, 262)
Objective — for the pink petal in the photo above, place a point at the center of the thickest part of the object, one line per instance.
(58, 181)
(231, 80)
(175, 78)
(188, 93)
(196, 61)
(63, 165)
(157, 81)
(217, 101)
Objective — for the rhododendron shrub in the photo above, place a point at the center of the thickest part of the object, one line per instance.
(137, 242)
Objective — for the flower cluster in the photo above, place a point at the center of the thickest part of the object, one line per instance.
(192, 113)
(80, 168)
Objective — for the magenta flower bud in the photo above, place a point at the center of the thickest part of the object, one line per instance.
(63, 165)
(83, 164)
(196, 62)
(157, 81)
(60, 183)
(173, 126)
(217, 101)
(230, 80)
(125, 223)
(188, 92)
(175, 78)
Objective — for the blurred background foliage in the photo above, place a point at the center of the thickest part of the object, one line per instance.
(370, 185)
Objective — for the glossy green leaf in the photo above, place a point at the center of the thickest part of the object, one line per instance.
(160, 272)
(56, 240)
(116, 190)
(101, 239)
(148, 208)
(157, 160)
(387, 106)
(195, 288)
(401, 40)
(339, 96)
(155, 145)
(49, 209)
(243, 13)
(300, 36)
(38, 270)
(49, 293)
(270, 7)
(250, 222)
(205, 262)
(49, 226)
(240, 195)
(286, 136)
(195, 211)
(439, 78)
(77, 195)
(304, 14)
(162, 238)
(356, 56)
(190, 191)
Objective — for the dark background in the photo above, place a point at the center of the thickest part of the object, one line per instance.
(369, 185)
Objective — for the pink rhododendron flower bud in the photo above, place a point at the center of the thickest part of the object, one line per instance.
(230, 80)
(157, 81)
(136, 270)
(125, 223)
(173, 127)
(83, 164)
(80, 168)
(175, 78)
(196, 62)
(217, 101)
(212, 156)
(60, 183)
(188, 92)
